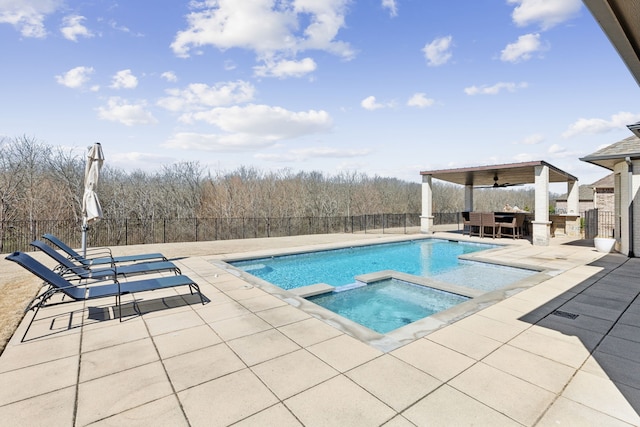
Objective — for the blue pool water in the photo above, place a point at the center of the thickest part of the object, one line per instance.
(388, 304)
(434, 258)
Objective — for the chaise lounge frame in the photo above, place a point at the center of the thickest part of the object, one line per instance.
(106, 256)
(58, 284)
(67, 268)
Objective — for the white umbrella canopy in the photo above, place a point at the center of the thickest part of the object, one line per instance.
(91, 209)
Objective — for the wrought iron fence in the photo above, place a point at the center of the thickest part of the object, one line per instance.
(598, 223)
(16, 235)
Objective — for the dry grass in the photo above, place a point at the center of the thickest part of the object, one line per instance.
(16, 290)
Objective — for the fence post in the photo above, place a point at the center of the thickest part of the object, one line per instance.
(126, 231)
(196, 225)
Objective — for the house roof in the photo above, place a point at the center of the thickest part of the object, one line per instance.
(511, 173)
(614, 153)
(620, 20)
(606, 182)
(585, 194)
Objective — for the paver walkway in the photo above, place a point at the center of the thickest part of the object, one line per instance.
(564, 352)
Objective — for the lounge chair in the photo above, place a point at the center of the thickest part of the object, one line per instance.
(58, 284)
(67, 267)
(106, 257)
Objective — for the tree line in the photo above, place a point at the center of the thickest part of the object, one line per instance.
(42, 182)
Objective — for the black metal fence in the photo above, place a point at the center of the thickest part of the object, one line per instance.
(598, 223)
(16, 235)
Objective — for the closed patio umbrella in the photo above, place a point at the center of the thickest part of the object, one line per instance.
(91, 210)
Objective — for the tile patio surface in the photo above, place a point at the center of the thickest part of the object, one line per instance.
(249, 358)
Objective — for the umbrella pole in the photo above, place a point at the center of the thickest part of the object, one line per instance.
(84, 236)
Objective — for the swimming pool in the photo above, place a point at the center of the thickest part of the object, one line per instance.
(384, 287)
(433, 258)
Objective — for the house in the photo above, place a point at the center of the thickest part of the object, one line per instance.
(585, 201)
(598, 195)
(623, 159)
(620, 21)
(603, 194)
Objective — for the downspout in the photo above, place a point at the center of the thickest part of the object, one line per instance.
(630, 184)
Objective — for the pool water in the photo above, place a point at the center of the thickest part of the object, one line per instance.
(434, 258)
(388, 304)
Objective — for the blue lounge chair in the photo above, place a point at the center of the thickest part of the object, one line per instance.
(67, 267)
(106, 257)
(58, 284)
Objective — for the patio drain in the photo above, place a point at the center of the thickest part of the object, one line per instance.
(565, 314)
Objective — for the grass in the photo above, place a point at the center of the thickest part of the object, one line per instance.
(16, 290)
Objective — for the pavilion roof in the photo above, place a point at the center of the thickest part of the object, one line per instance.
(503, 174)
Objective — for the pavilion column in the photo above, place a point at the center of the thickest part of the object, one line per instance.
(426, 219)
(468, 198)
(541, 224)
(573, 198)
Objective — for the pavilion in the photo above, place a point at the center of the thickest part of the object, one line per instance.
(539, 173)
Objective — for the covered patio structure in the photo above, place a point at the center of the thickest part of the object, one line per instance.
(539, 173)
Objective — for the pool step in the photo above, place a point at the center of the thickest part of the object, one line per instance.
(311, 290)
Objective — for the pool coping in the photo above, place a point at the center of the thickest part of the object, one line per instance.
(406, 334)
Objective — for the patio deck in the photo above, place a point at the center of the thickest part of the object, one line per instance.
(249, 358)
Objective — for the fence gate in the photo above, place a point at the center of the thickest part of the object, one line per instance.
(590, 223)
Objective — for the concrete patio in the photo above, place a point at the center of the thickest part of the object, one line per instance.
(248, 358)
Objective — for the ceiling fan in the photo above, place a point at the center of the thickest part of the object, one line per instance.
(496, 185)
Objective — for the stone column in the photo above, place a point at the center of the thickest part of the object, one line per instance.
(573, 198)
(541, 224)
(468, 198)
(426, 219)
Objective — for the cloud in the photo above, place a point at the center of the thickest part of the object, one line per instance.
(124, 79)
(264, 121)
(522, 49)
(437, 52)
(546, 13)
(28, 16)
(524, 157)
(559, 152)
(285, 68)
(420, 100)
(391, 5)
(534, 139)
(76, 77)
(218, 142)
(596, 126)
(124, 29)
(370, 103)
(119, 110)
(304, 154)
(136, 160)
(169, 76)
(495, 89)
(198, 96)
(72, 28)
(265, 27)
